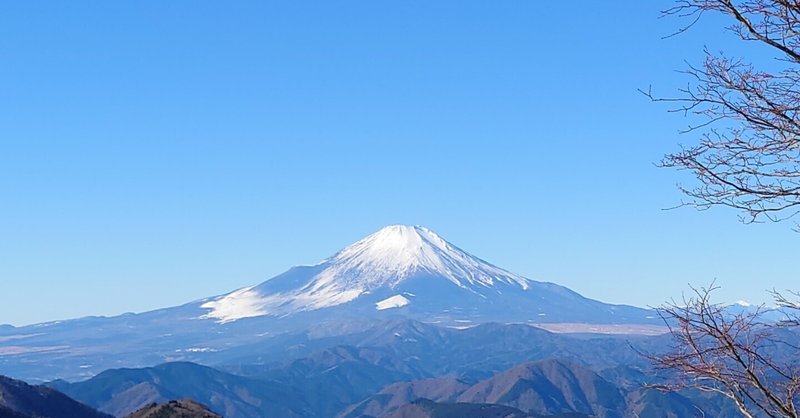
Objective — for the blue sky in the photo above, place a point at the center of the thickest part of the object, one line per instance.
(153, 153)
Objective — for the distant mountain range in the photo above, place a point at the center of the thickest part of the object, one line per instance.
(534, 389)
(346, 368)
(550, 387)
(407, 368)
(399, 272)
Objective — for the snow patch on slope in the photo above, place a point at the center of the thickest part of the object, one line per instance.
(396, 301)
(243, 303)
(249, 303)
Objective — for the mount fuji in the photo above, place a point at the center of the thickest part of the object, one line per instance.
(397, 273)
(411, 270)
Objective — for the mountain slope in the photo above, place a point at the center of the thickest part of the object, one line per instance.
(19, 399)
(550, 386)
(396, 395)
(123, 391)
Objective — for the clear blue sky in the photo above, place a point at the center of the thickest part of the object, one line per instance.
(153, 153)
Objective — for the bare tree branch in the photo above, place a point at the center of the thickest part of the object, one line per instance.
(748, 154)
(738, 355)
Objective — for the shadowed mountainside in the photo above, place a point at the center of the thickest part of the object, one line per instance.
(19, 399)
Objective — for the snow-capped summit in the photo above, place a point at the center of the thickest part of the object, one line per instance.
(397, 252)
(401, 268)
